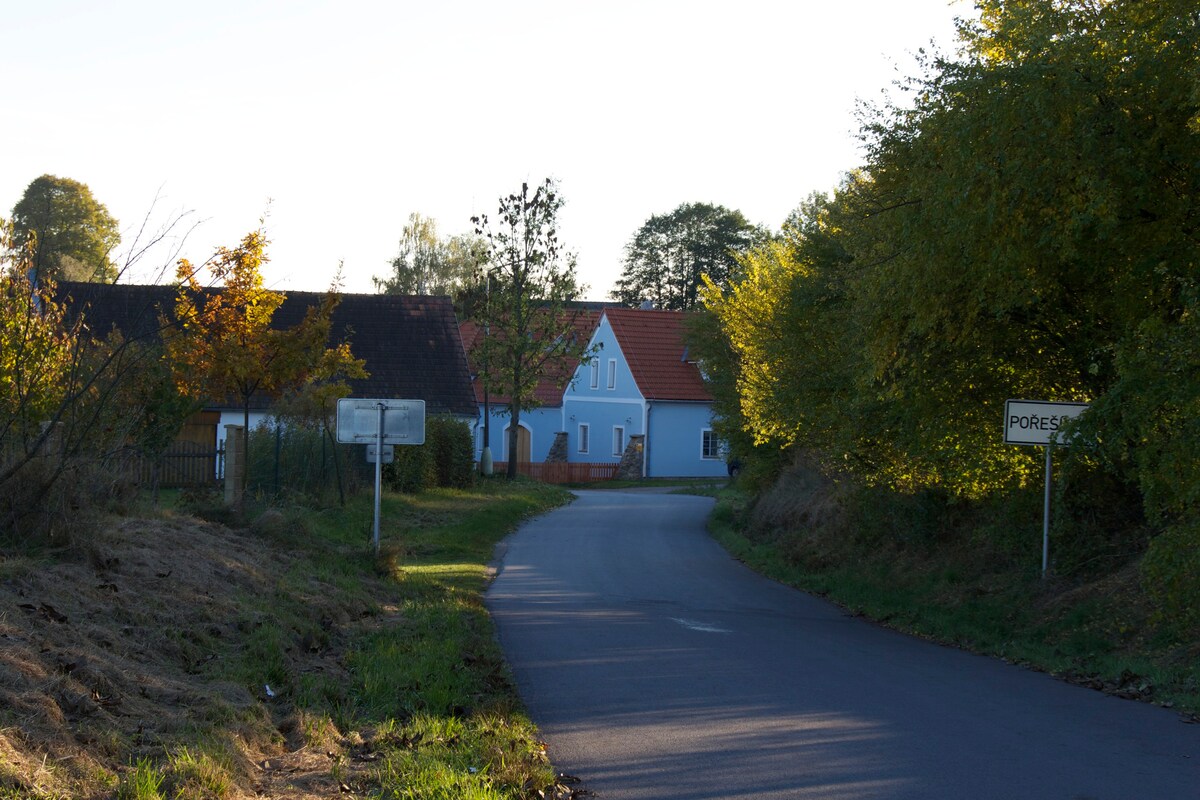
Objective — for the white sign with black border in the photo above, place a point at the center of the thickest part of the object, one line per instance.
(1037, 422)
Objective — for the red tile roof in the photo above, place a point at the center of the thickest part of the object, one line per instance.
(550, 388)
(654, 348)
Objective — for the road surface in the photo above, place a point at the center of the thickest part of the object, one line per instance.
(656, 666)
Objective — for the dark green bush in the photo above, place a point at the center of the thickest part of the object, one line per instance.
(446, 459)
(1169, 572)
(452, 450)
(412, 470)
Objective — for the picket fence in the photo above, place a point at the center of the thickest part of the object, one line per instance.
(560, 472)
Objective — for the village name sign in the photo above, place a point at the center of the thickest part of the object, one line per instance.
(1038, 423)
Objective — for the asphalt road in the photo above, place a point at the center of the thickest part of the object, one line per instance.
(656, 666)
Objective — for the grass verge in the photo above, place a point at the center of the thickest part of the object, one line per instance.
(162, 656)
(430, 704)
(1101, 634)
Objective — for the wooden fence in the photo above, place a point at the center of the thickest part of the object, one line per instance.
(184, 465)
(560, 472)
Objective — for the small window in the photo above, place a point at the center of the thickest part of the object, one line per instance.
(710, 445)
(612, 373)
(618, 440)
(595, 373)
(584, 438)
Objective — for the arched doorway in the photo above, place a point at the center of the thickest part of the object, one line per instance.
(523, 443)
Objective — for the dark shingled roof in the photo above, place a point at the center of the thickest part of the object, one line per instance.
(411, 344)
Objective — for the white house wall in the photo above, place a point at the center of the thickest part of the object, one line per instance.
(238, 418)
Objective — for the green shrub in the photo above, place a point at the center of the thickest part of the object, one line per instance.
(452, 450)
(445, 460)
(1171, 574)
(412, 470)
(1097, 524)
(300, 461)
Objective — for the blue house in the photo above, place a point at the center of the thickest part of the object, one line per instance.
(642, 383)
(538, 426)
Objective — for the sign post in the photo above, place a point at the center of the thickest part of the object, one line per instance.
(379, 478)
(377, 423)
(1037, 423)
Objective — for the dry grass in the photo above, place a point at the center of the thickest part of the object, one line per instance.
(114, 652)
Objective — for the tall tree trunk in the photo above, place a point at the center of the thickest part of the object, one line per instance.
(514, 428)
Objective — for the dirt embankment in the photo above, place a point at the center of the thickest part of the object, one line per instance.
(115, 651)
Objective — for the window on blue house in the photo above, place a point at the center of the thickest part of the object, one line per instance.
(612, 373)
(584, 437)
(618, 441)
(710, 445)
(595, 373)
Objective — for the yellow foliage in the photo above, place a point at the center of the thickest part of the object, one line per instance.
(36, 349)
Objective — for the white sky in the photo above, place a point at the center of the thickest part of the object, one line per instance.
(346, 116)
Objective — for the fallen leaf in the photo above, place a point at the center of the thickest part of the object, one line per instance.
(51, 612)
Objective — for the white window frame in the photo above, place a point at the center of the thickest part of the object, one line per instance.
(595, 373)
(584, 438)
(618, 440)
(612, 373)
(707, 433)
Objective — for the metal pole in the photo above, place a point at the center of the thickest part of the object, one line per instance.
(278, 445)
(1046, 516)
(378, 473)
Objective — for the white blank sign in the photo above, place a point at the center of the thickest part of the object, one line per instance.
(358, 421)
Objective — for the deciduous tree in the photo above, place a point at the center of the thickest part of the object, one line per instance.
(429, 264)
(226, 346)
(36, 346)
(72, 235)
(667, 259)
(530, 325)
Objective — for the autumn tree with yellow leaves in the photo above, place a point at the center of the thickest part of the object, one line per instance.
(225, 346)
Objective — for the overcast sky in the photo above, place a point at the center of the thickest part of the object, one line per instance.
(339, 119)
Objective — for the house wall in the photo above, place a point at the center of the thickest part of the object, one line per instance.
(542, 424)
(602, 409)
(237, 418)
(601, 419)
(676, 441)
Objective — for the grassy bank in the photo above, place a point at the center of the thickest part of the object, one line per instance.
(282, 660)
(1100, 632)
